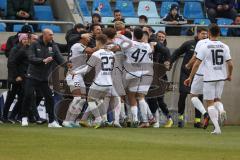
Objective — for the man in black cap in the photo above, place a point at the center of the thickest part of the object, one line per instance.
(174, 18)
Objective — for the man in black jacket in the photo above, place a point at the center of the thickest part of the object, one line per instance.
(187, 48)
(42, 54)
(15, 78)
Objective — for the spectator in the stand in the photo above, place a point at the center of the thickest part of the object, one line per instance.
(143, 19)
(118, 16)
(96, 18)
(17, 67)
(19, 10)
(42, 55)
(221, 9)
(13, 40)
(39, 2)
(174, 18)
(234, 32)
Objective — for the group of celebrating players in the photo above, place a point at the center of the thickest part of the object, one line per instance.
(123, 67)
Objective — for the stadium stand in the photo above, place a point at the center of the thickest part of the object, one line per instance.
(224, 21)
(45, 13)
(103, 7)
(84, 8)
(3, 6)
(2, 27)
(202, 21)
(126, 7)
(147, 8)
(18, 27)
(193, 10)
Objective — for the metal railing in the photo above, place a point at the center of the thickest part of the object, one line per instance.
(37, 22)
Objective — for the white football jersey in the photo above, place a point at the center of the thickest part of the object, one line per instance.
(138, 58)
(197, 48)
(103, 61)
(214, 55)
(77, 55)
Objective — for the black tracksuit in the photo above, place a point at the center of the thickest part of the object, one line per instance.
(187, 48)
(37, 75)
(17, 66)
(160, 55)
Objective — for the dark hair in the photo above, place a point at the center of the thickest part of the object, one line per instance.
(138, 33)
(110, 32)
(79, 25)
(214, 30)
(98, 16)
(93, 26)
(143, 17)
(128, 34)
(116, 10)
(200, 29)
(26, 29)
(102, 38)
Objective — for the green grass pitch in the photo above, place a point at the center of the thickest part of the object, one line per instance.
(42, 143)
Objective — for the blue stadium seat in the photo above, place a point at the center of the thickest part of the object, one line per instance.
(126, 7)
(43, 13)
(103, 6)
(133, 20)
(193, 10)
(224, 21)
(2, 27)
(18, 27)
(147, 8)
(54, 28)
(156, 21)
(202, 21)
(84, 8)
(165, 7)
(3, 6)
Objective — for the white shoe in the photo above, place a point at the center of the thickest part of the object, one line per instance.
(223, 117)
(117, 125)
(24, 122)
(54, 124)
(67, 124)
(156, 125)
(216, 132)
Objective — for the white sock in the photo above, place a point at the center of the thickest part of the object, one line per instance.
(219, 106)
(213, 113)
(143, 108)
(104, 118)
(134, 111)
(94, 109)
(157, 115)
(123, 112)
(117, 109)
(198, 105)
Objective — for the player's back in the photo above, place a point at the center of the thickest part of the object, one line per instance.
(216, 55)
(103, 61)
(77, 55)
(138, 59)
